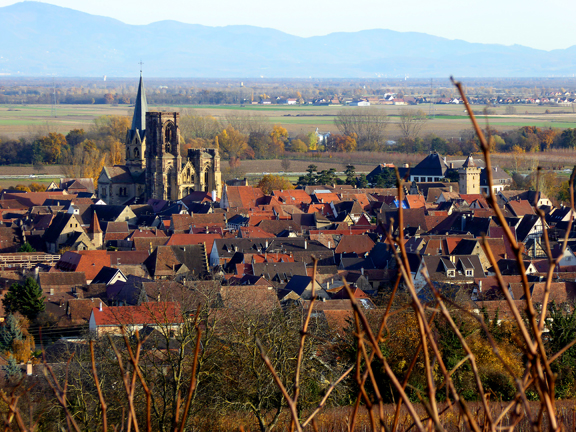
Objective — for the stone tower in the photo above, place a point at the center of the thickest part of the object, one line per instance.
(469, 181)
(163, 160)
(136, 135)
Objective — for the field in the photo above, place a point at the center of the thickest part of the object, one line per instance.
(445, 120)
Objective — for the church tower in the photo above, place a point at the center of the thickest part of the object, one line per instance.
(163, 160)
(136, 135)
(469, 181)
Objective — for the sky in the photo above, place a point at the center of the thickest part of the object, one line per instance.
(532, 23)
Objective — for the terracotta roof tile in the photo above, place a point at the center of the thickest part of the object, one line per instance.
(148, 313)
(359, 244)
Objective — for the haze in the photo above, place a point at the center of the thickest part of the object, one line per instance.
(488, 21)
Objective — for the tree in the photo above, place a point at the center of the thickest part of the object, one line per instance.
(279, 133)
(350, 173)
(247, 122)
(368, 123)
(26, 299)
(341, 143)
(110, 126)
(362, 181)
(510, 110)
(411, 122)
(10, 332)
(12, 371)
(518, 153)
(298, 146)
(311, 178)
(568, 138)
(562, 331)
(234, 144)
(49, 148)
(285, 164)
(312, 140)
(195, 125)
(271, 182)
(26, 247)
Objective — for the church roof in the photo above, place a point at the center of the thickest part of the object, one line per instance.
(140, 108)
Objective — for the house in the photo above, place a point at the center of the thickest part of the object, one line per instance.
(180, 262)
(108, 276)
(300, 288)
(53, 283)
(451, 269)
(115, 320)
(66, 231)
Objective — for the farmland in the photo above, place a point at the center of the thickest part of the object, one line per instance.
(445, 120)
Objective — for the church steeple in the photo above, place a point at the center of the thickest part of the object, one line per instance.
(140, 109)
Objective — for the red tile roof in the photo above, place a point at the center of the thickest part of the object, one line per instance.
(147, 313)
(359, 244)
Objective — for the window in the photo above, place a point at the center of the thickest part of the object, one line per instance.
(469, 273)
(451, 273)
(430, 179)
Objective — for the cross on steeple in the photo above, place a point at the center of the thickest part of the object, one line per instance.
(140, 63)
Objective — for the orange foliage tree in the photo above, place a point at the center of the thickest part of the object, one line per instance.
(271, 182)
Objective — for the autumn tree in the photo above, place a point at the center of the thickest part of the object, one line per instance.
(271, 182)
(341, 143)
(298, 146)
(367, 123)
(411, 122)
(234, 144)
(110, 126)
(49, 148)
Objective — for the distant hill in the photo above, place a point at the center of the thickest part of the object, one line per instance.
(41, 39)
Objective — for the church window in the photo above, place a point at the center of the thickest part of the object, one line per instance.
(136, 153)
(206, 180)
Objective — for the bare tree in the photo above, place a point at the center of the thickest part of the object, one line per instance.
(194, 124)
(246, 122)
(368, 123)
(411, 122)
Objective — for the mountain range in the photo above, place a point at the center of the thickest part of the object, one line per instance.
(44, 40)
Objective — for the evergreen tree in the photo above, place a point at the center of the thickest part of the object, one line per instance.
(12, 370)
(26, 247)
(350, 174)
(26, 299)
(9, 332)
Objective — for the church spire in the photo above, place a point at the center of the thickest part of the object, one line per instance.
(140, 108)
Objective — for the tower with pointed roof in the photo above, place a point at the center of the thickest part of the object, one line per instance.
(154, 167)
(469, 180)
(136, 135)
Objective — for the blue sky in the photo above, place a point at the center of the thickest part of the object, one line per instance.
(534, 23)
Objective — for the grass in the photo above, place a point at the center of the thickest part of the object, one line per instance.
(447, 120)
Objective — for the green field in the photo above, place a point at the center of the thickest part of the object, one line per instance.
(446, 120)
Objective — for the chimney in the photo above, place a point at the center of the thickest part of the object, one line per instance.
(51, 291)
(495, 169)
(328, 285)
(329, 244)
(450, 188)
(451, 165)
(100, 307)
(305, 244)
(266, 244)
(480, 286)
(29, 368)
(214, 195)
(362, 271)
(463, 223)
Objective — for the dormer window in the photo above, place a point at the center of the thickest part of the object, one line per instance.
(451, 273)
(469, 273)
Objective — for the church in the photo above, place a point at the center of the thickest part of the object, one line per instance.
(154, 167)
